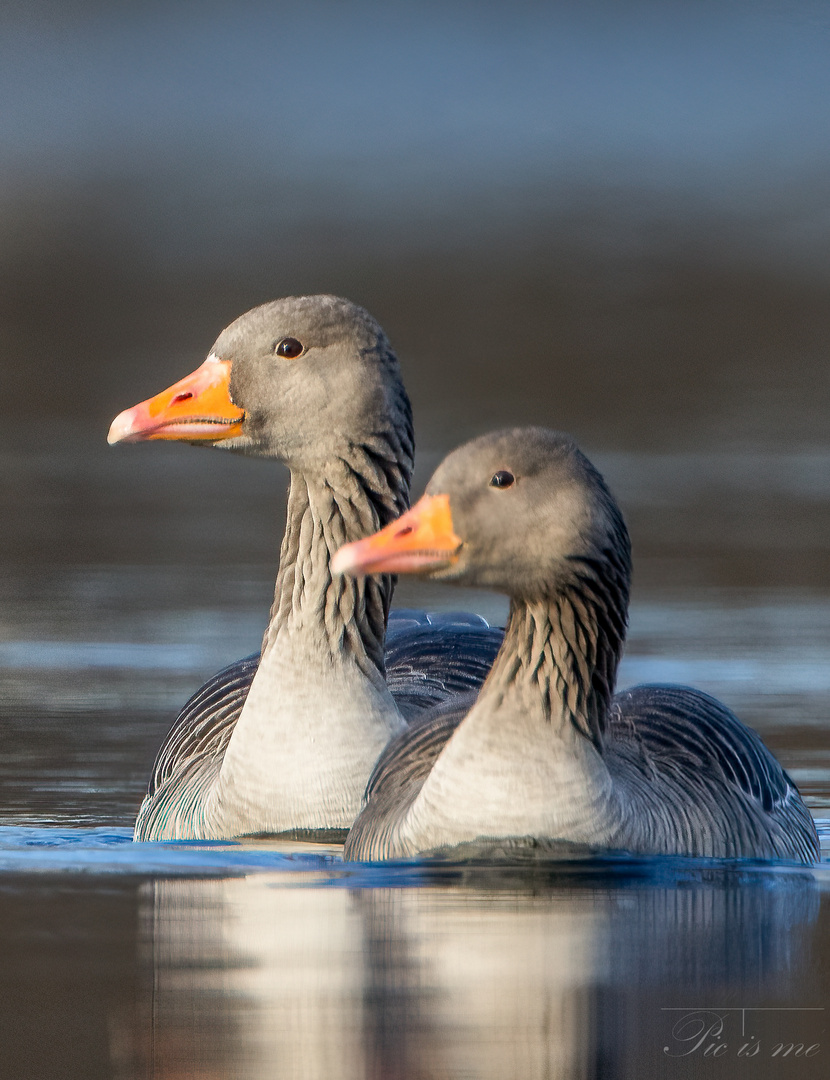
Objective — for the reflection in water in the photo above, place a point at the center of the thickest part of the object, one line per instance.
(551, 974)
(255, 979)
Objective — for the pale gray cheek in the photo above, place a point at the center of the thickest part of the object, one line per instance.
(454, 574)
(255, 440)
(495, 578)
(243, 445)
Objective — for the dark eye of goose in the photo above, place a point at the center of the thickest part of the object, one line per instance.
(289, 346)
(502, 479)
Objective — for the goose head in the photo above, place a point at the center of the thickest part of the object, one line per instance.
(298, 379)
(520, 511)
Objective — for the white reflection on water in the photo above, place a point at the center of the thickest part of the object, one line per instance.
(318, 983)
(493, 974)
(268, 979)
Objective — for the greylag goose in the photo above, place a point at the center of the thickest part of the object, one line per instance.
(285, 742)
(545, 750)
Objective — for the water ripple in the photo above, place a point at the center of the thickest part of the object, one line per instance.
(112, 851)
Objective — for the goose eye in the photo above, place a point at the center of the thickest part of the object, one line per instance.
(502, 479)
(289, 347)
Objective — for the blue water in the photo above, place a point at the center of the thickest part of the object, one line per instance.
(112, 851)
(100, 850)
(266, 959)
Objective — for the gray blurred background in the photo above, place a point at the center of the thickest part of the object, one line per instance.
(611, 218)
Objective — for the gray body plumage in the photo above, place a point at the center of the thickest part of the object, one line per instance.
(546, 750)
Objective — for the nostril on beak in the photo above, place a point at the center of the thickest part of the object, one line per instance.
(405, 531)
(184, 396)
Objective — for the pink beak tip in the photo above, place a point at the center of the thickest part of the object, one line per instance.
(121, 428)
(342, 561)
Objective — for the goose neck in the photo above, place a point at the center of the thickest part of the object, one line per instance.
(559, 660)
(339, 617)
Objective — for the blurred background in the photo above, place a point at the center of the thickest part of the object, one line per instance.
(612, 218)
(608, 217)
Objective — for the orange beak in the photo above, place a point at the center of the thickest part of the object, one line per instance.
(421, 539)
(196, 409)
